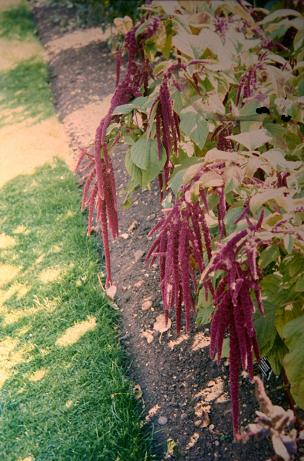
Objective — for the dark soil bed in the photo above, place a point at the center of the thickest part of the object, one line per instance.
(189, 390)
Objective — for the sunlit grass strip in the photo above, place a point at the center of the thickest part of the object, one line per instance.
(25, 89)
(64, 395)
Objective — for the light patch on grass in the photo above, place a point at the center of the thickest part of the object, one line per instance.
(21, 229)
(14, 51)
(69, 214)
(22, 331)
(69, 403)
(28, 458)
(11, 317)
(11, 354)
(56, 249)
(7, 273)
(39, 259)
(18, 289)
(6, 241)
(49, 275)
(74, 333)
(37, 375)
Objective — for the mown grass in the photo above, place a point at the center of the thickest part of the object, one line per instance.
(25, 89)
(17, 23)
(60, 400)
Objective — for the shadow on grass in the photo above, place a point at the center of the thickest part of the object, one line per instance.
(64, 395)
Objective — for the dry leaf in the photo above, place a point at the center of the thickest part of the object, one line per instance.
(147, 304)
(111, 291)
(193, 440)
(138, 284)
(176, 342)
(160, 324)
(137, 392)
(148, 335)
(124, 236)
(200, 341)
(152, 412)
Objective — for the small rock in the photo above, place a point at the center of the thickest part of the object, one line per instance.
(216, 443)
(162, 420)
(133, 226)
(147, 304)
(138, 254)
(211, 427)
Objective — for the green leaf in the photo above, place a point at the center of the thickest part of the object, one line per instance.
(268, 256)
(294, 360)
(265, 328)
(299, 286)
(144, 155)
(123, 109)
(195, 127)
(248, 111)
(279, 14)
(277, 354)
(231, 216)
(205, 307)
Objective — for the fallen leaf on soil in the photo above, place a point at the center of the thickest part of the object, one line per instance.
(178, 341)
(124, 236)
(111, 291)
(193, 440)
(138, 254)
(137, 391)
(148, 334)
(201, 409)
(133, 226)
(139, 284)
(171, 447)
(152, 412)
(160, 324)
(200, 341)
(147, 304)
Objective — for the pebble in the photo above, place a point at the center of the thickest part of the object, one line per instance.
(162, 420)
(216, 443)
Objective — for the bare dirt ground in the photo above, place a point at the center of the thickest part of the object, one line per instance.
(185, 394)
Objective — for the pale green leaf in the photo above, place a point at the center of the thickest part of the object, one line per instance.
(268, 256)
(279, 14)
(252, 139)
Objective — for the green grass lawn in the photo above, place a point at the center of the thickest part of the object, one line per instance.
(17, 23)
(25, 87)
(65, 395)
